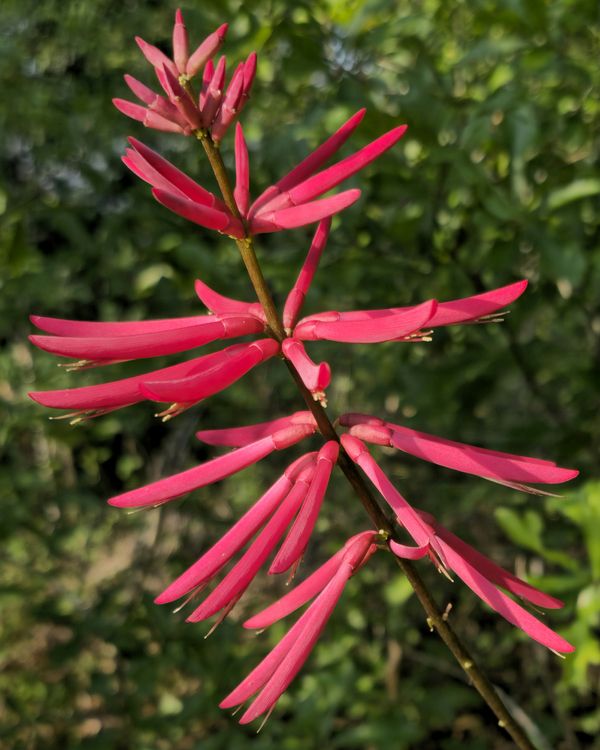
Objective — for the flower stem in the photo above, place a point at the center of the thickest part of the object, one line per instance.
(435, 617)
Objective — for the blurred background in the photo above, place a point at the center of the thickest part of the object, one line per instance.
(496, 180)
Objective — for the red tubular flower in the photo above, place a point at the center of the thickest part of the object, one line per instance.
(278, 669)
(229, 591)
(236, 437)
(207, 567)
(315, 377)
(212, 471)
(296, 297)
(503, 468)
(294, 546)
(370, 326)
(480, 574)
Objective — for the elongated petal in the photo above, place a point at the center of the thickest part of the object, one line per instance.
(503, 604)
(473, 308)
(228, 109)
(153, 344)
(216, 303)
(211, 381)
(320, 612)
(311, 164)
(238, 436)
(181, 43)
(61, 327)
(214, 94)
(249, 73)
(297, 540)
(494, 572)
(299, 216)
(182, 100)
(367, 331)
(296, 297)
(156, 102)
(471, 460)
(466, 310)
(148, 117)
(408, 553)
(330, 178)
(208, 473)
(242, 172)
(206, 217)
(206, 51)
(207, 76)
(315, 377)
(305, 591)
(108, 396)
(220, 554)
(241, 575)
(155, 57)
(181, 182)
(416, 527)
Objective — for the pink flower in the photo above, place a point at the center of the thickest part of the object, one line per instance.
(212, 471)
(278, 669)
(209, 565)
(480, 575)
(503, 468)
(288, 204)
(404, 323)
(476, 571)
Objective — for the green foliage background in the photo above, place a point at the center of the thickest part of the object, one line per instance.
(496, 180)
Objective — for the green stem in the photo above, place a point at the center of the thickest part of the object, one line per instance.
(435, 617)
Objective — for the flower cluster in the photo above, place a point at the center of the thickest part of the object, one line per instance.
(294, 501)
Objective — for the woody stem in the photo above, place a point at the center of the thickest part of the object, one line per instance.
(435, 616)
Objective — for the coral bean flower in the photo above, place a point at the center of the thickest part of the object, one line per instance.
(278, 669)
(503, 468)
(482, 576)
(292, 202)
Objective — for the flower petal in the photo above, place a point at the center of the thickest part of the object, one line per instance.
(216, 303)
(206, 51)
(319, 614)
(242, 172)
(311, 164)
(296, 297)
(503, 604)
(245, 570)
(197, 387)
(210, 472)
(181, 43)
(297, 539)
(299, 216)
(238, 436)
(206, 217)
(328, 179)
(367, 331)
(315, 377)
(153, 344)
(219, 555)
(472, 460)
